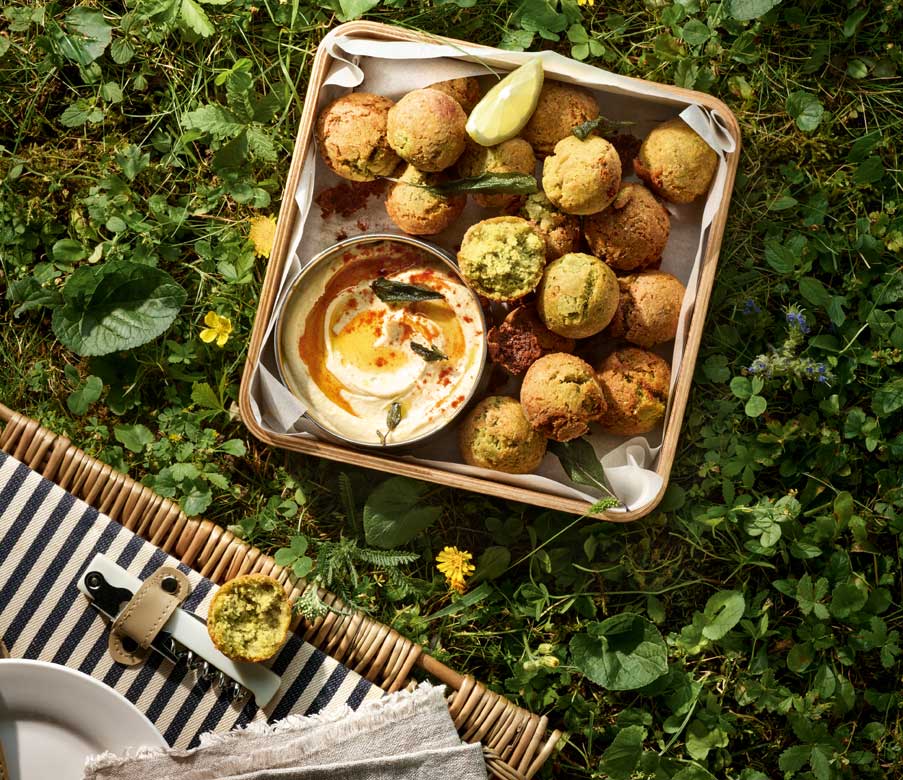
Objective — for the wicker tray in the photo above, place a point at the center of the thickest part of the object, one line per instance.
(516, 742)
(285, 228)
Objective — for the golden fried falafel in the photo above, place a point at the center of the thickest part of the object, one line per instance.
(502, 258)
(522, 339)
(648, 309)
(426, 129)
(496, 435)
(582, 177)
(632, 232)
(560, 396)
(676, 162)
(249, 618)
(578, 295)
(418, 210)
(351, 136)
(465, 91)
(636, 385)
(560, 109)
(560, 231)
(512, 156)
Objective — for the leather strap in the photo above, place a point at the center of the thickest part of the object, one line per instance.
(146, 613)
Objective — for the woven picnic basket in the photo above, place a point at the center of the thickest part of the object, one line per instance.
(516, 742)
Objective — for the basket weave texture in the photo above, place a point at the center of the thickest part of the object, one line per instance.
(516, 742)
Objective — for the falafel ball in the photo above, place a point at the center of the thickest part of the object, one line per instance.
(560, 109)
(502, 257)
(522, 339)
(351, 135)
(465, 91)
(560, 231)
(636, 385)
(582, 177)
(676, 162)
(560, 396)
(426, 128)
(496, 435)
(632, 232)
(512, 156)
(578, 295)
(418, 210)
(648, 309)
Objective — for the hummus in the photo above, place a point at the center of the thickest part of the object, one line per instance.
(348, 355)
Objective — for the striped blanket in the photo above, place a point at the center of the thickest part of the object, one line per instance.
(47, 537)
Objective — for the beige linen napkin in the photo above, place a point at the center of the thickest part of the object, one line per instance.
(404, 736)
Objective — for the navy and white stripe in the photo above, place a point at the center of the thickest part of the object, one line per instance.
(47, 537)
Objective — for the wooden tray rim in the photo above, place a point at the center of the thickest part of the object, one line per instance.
(284, 228)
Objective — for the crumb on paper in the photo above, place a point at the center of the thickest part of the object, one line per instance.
(347, 198)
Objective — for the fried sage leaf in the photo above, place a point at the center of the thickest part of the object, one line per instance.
(390, 291)
(490, 183)
(579, 461)
(430, 353)
(393, 417)
(599, 123)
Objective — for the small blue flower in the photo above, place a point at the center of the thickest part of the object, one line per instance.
(751, 307)
(797, 320)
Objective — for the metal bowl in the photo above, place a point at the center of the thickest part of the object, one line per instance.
(297, 284)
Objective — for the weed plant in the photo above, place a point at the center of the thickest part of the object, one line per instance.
(748, 629)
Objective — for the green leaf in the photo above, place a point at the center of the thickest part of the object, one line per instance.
(755, 406)
(750, 9)
(820, 763)
(814, 291)
(722, 612)
(580, 462)
(132, 161)
(84, 395)
(205, 396)
(851, 25)
(800, 656)
(192, 16)
(86, 38)
(116, 306)
(216, 121)
(847, 599)
(355, 9)
(234, 447)
(794, 758)
(695, 32)
(121, 51)
(623, 754)
(806, 109)
(394, 514)
(81, 111)
(133, 437)
(196, 499)
(741, 387)
(492, 563)
(622, 653)
(466, 601)
(67, 250)
(869, 171)
(888, 398)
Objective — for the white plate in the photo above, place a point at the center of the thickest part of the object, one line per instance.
(52, 718)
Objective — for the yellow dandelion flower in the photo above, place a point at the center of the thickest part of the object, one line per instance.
(456, 565)
(218, 328)
(586, 2)
(263, 234)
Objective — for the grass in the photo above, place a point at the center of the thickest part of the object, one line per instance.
(769, 582)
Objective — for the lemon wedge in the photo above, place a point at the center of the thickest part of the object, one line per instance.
(508, 106)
